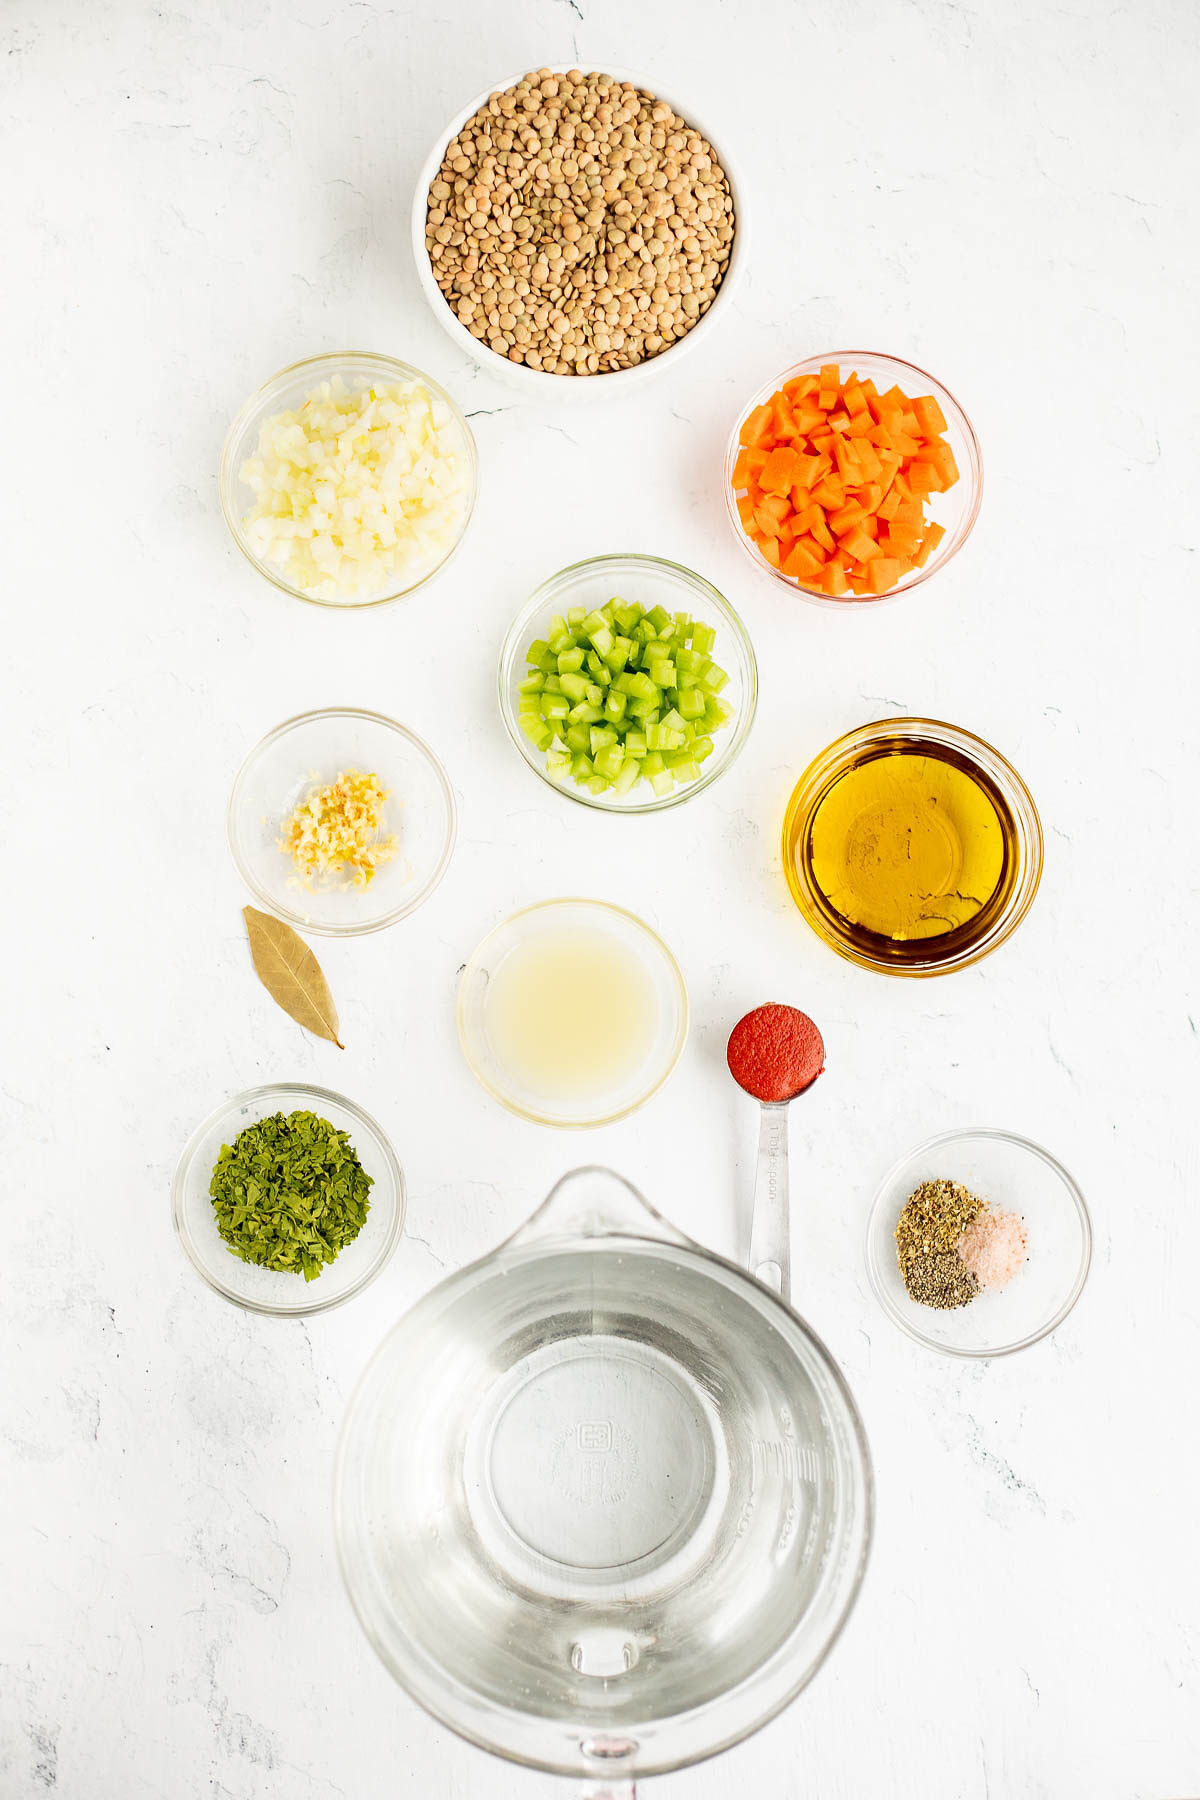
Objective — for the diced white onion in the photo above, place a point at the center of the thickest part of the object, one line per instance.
(358, 492)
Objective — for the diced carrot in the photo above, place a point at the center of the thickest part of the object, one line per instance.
(860, 426)
(871, 525)
(922, 477)
(820, 530)
(840, 420)
(801, 565)
(903, 540)
(930, 416)
(884, 574)
(807, 470)
(809, 543)
(854, 399)
(847, 517)
(755, 458)
(846, 463)
(755, 426)
(745, 508)
(868, 459)
(770, 549)
(861, 547)
(828, 391)
(869, 496)
(770, 513)
(833, 580)
(830, 491)
(941, 456)
(800, 386)
(929, 544)
(741, 468)
(889, 504)
(909, 422)
(822, 439)
(779, 470)
(782, 422)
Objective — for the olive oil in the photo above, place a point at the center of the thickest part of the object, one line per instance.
(903, 849)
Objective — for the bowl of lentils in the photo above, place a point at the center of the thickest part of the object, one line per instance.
(570, 225)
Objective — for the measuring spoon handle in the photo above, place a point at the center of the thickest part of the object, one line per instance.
(770, 1231)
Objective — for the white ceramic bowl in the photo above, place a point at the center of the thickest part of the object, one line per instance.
(537, 381)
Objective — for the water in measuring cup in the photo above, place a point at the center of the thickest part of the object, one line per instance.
(611, 1488)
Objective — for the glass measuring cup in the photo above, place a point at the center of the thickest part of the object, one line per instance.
(602, 1500)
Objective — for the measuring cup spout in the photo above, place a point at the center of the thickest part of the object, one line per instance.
(595, 1203)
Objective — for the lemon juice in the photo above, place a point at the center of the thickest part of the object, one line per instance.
(571, 1014)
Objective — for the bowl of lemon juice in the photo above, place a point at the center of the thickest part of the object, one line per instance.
(572, 1012)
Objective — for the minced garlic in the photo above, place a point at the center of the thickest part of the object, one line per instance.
(337, 829)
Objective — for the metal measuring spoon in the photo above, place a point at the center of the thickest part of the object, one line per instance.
(774, 1053)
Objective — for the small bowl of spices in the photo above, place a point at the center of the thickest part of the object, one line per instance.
(978, 1243)
(288, 1199)
(341, 821)
(912, 847)
(574, 224)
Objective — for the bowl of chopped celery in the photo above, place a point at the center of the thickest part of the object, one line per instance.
(341, 821)
(628, 682)
(349, 480)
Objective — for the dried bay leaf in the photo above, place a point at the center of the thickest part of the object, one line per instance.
(291, 974)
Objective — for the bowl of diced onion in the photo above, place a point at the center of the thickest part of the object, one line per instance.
(349, 480)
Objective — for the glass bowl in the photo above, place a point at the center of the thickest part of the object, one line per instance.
(288, 390)
(1014, 1174)
(1019, 880)
(312, 750)
(608, 1100)
(572, 388)
(275, 1291)
(956, 511)
(650, 581)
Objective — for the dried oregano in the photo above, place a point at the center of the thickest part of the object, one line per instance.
(927, 1233)
(289, 1193)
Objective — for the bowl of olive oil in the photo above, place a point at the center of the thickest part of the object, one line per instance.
(912, 847)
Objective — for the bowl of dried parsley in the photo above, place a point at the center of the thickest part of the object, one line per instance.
(288, 1199)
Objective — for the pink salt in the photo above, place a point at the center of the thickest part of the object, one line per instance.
(993, 1246)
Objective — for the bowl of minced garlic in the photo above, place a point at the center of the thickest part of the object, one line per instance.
(341, 821)
(572, 224)
(979, 1243)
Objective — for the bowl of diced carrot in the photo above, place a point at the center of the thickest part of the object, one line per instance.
(853, 477)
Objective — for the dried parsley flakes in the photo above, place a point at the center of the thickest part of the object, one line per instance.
(290, 1193)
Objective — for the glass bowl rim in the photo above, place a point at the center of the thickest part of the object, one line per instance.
(857, 602)
(1024, 893)
(1067, 1182)
(473, 962)
(723, 757)
(305, 1090)
(614, 382)
(298, 920)
(326, 363)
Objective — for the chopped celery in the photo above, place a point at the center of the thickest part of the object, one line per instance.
(616, 695)
(610, 761)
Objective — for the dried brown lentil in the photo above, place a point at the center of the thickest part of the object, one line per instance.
(927, 1232)
(609, 193)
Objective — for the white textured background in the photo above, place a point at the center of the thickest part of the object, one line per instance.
(197, 193)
